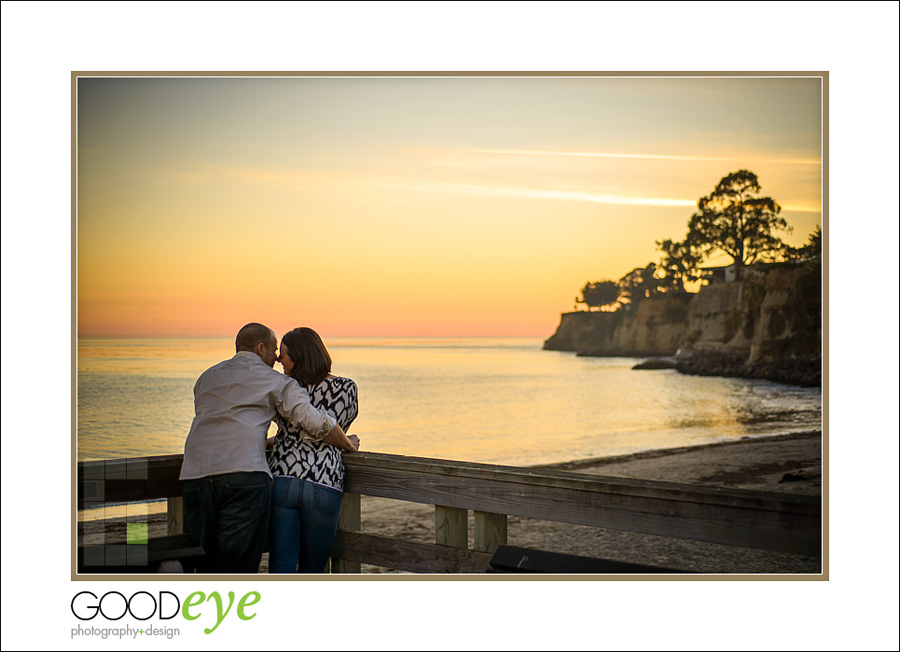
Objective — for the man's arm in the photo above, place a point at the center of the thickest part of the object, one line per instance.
(293, 404)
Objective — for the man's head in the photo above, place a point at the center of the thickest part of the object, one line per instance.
(260, 340)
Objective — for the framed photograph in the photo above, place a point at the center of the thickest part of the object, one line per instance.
(431, 229)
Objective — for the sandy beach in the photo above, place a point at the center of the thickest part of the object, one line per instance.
(785, 464)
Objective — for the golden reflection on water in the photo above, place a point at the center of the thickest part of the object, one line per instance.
(494, 400)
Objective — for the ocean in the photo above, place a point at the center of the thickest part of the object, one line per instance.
(491, 400)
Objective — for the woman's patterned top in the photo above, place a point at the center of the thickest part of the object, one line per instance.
(297, 456)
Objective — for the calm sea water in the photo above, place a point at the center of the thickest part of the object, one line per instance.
(494, 400)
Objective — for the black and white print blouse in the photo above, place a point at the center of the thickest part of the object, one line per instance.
(297, 456)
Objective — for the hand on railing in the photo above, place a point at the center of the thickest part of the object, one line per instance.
(338, 438)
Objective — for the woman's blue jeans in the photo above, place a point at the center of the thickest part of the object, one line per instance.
(303, 524)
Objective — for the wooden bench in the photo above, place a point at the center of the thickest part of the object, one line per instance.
(513, 559)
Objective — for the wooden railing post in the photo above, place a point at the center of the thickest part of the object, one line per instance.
(451, 526)
(175, 515)
(490, 531)
(350, 521)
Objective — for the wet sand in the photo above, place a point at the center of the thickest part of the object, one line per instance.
(785, 464)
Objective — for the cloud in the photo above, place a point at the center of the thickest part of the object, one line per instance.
(306, 179)
(531, 192)
(284, 178)
(656, 157)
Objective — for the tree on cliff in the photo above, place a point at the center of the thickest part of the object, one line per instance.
(680, 264)
(734, 220)
(810, 251)
(599, 294)
(638, 284)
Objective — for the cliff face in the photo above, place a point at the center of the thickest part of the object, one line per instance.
(579, 331)
(767, 326)
(655, 328)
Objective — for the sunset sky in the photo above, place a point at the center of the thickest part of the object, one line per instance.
(408, 206)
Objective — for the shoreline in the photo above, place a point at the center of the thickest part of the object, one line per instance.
(663, 452)
(788, 463)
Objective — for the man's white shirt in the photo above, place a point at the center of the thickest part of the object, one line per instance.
(234, 403)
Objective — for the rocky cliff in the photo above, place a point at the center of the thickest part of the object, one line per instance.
(656, 327)
(767, 326)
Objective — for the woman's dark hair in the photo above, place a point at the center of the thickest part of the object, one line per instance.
(311, 360)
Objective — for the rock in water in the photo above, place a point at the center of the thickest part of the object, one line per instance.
(656, 363)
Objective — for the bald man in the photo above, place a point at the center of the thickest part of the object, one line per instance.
(227, 482)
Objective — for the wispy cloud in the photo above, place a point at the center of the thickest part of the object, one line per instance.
(284, 178)
(656, 157)
(569, 194)
(801, 208)
(532, 193)
(304, 179)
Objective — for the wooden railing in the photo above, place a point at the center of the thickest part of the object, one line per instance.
(751, 519)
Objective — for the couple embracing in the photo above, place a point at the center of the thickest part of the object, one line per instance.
(234, 497)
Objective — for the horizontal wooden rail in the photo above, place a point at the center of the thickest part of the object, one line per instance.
(753, 519)
(410, 556)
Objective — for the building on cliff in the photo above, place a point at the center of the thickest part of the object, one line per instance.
(726, 274)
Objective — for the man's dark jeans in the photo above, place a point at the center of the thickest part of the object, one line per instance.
(228, 515)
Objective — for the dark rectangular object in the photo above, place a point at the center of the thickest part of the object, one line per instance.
(180, 547)
(512, 559)
(409, 556)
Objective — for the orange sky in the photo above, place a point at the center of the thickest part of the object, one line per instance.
(407, 206)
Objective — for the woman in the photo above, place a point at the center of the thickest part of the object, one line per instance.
(309, 475)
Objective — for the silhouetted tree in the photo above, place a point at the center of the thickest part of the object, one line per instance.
(599, 294)
(733, 220)
(638, 284)
(810, 251)
(680, 264)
